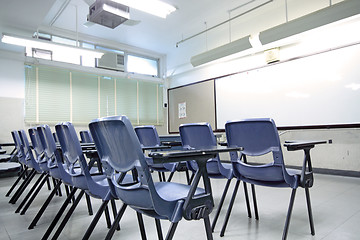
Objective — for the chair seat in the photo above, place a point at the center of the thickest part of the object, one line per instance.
(171, 191)
(168, 191)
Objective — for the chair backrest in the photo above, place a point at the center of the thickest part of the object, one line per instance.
(36, 142)
(55, 137)
(257, 137)
(86, 137)
(71, 147)
(25, 142)
(19, 148)
(198, 136)
(29, 157)
(147, 135)
(49, 145)
(117, 143)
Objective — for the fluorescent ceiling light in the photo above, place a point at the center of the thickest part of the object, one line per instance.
(283, 32)
(154, 7)
(46, 45)
(222, 51)
(116, 11)
(313, 20)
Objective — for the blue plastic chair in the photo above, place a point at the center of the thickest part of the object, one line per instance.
(199, 136)
(26, 173)
(19, 156)
(33, 163)
(55, 167)
(58, 169)
(86, 137)
(39, 151)
(120, 151)
(93, 183)
(148, 137)
(259, 137)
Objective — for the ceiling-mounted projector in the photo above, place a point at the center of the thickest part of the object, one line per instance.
(108, 13)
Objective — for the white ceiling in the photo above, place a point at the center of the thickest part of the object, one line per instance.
(152, 33)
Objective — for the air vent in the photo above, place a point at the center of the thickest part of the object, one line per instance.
(112, 61)
(272, 55)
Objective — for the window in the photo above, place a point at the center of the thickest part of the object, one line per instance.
(113, 59)
(142, 65)
(54, 95)
(88, 61)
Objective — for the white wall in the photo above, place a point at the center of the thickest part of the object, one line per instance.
(12, 92)
(344, 153)
(12, 75)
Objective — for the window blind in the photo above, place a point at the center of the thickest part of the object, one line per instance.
(54, 95)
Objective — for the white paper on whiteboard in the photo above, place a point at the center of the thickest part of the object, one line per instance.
(182, 110)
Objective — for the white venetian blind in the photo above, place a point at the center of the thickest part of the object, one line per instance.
(84, 97)
(54, 95)
(126, 98)
(107, 96)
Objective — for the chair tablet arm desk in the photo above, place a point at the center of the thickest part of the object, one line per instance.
(195, 206)
(306, 177)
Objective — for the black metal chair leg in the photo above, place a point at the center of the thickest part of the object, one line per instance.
(311, 220)
(113, 206)
(33, 188)
(187, 177)
(46, 179)
(95, 220)
(107, 217)
(220, 204)
(67, 190)
(141, 226)
(48, 184)
(254, 201)
(170, 176)
(160, 177)
(68, 215)
(58, 215)
(116, 222)
(88, 203)
(59, 191)
(208, 228)
(247, 200)
(171, 231)
(230, 208)
(287, 222)
(22, 187)
(192, 177)
(54, 184)
(158, 229)
(15, 183)
(44, 206)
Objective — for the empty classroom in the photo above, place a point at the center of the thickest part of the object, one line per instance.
(169, 119)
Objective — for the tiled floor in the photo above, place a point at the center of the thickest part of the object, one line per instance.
(335, 202)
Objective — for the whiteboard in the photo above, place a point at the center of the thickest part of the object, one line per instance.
(322, 89)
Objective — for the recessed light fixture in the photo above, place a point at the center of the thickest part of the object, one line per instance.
(154, 7)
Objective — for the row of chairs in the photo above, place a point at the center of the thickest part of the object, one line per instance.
(258, 137)
(51, 163)
(127, 171)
